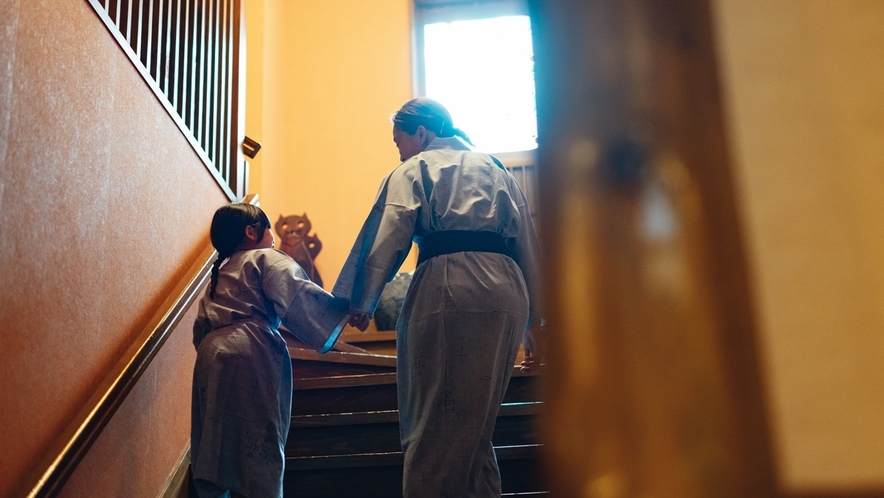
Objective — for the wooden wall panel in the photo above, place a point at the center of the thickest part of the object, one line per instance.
(103, 205)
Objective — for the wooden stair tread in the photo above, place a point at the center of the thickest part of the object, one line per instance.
(348, 357)
(372, 379)
(391, 458)
(377, 392)
(351, 336)
(378, 431)
(327, 381)
(352, 418)
(382, 416)
(344, 431)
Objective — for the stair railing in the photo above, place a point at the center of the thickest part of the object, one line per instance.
(73, 444)
(190, 53)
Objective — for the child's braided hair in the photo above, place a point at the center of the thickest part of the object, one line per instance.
(228, 230)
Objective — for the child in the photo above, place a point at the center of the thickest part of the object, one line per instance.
(242, 380)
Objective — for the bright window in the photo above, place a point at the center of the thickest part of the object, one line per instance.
(481, 67)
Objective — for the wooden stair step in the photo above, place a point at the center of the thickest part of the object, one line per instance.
(363, 432)
(357, 358)
(331, 440)
(369, 393)
(392, 458)
(379, 475)
(377, 392)
(344, 435)
(360, 418)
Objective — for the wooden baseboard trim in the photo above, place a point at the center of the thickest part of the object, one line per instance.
(177, 484)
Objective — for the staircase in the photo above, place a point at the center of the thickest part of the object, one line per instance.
(344, 436)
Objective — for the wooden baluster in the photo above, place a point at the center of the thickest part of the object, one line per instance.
(135, 27)
(203, 68)
(194, 90)
(180, 48)
(129, 22)
(148, 46)
(159, 45)
(218, 83)
(213, 94)
(207, 86)
(189, 65)
(230, 122)
(238, 173)
(224, 97)
(164, 39)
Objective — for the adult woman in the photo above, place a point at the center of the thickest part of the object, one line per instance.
(470, 302)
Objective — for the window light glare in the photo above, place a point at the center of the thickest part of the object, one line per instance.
(482, 70)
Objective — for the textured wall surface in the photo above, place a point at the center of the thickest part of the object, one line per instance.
(103, 206)
(804, 87)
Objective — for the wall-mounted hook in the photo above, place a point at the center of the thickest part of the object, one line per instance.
(250, 147)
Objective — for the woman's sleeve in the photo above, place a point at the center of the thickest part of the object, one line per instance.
(527, 254)
(382, 244)
(313, 315)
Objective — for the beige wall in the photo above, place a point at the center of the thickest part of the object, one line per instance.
(324, 78)
(804, 84)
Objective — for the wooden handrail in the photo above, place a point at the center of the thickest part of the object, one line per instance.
(60, 462)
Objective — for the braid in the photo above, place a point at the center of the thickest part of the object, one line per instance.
(215, 266)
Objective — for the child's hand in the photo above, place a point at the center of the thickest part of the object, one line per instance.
(359, 319)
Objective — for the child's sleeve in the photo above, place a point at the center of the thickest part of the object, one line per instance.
(201, 326)
(313, 315)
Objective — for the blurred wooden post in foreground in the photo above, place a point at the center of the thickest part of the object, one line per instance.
(653, 385)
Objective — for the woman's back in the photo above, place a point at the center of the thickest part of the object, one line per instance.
(457, 189)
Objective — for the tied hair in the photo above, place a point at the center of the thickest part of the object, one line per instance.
(215, 266)
(442, 127)
(460, 133)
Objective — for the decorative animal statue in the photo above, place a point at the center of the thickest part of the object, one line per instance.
(293, 232)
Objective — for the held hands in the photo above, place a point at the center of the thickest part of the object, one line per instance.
(359, 319)
(532, 341)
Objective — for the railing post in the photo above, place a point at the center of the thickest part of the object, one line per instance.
(238, 100)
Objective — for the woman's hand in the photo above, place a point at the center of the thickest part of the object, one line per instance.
(532, 341)
(359, 319)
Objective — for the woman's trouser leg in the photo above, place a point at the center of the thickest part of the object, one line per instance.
(454, 368)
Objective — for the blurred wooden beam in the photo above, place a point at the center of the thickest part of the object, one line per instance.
(654, 386)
